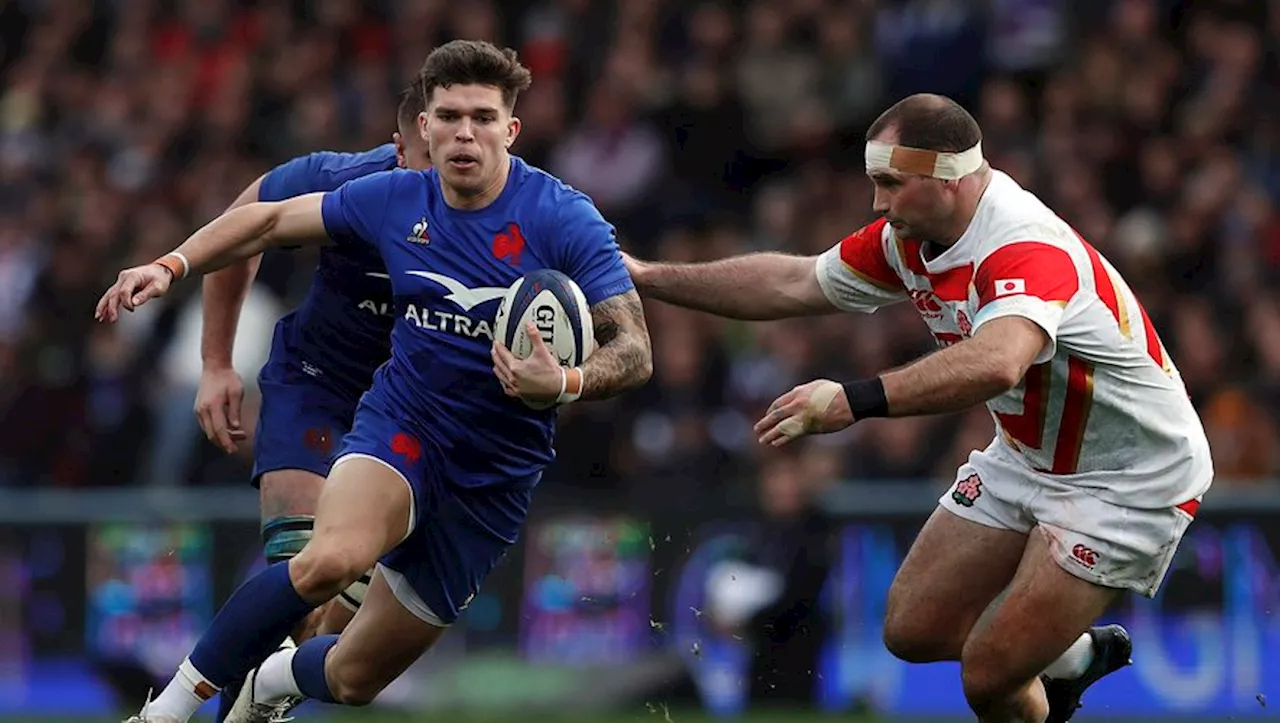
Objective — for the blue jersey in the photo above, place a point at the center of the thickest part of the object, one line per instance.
(448, 269)
(341, 332)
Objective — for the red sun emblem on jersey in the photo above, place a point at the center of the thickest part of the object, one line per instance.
(407, 447)
(1011, 286)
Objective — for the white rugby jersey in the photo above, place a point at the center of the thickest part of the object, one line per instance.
(1104, 406)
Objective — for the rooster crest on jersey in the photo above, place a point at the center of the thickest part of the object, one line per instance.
(556, 306)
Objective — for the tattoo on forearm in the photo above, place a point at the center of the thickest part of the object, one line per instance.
(622, 359)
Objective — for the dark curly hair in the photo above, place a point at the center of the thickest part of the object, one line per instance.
(474, 62)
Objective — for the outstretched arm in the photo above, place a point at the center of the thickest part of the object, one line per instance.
(240, 234)
(758, 287)
(971, 372)
(623, 359)
(248, 231)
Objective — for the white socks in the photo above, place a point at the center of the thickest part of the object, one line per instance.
(275, 681)
(184, 695)
(1074, 662)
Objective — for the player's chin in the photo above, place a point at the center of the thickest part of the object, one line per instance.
(465, 181)
(463, 168)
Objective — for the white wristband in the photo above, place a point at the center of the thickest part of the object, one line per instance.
(566, 394)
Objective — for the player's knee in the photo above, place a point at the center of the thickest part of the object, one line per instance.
(902, 636)
(351, 684)
(911, 643)
(321, 572)
(910, 637)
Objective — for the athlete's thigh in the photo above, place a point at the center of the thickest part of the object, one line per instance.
(371, 490)
(964, 556)
(953, 571)
(380, 643)
(363, 511)
(367, 504)
(1044, 610)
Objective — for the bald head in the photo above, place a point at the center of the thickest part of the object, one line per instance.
(927, 121)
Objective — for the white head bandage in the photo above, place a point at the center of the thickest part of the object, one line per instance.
(935, 164)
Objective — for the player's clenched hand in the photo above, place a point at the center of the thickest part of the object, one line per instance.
(538, 378)
(818, 407)
(133, 288)
(218, 403)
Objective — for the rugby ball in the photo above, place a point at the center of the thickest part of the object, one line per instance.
(557, 308)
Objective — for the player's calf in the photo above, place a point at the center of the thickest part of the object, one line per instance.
(995, 696)
(1034, 622)
(383, 640)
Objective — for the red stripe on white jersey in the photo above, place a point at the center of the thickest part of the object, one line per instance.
(1032, 268)
(863, 252)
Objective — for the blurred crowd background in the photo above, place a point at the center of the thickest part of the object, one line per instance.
(701, 128)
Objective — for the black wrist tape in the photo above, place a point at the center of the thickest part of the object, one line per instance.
(866, 398)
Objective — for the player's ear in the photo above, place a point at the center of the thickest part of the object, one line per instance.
(423, 120)
(398, 139)
(513, 130)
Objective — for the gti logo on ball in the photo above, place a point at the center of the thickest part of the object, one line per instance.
(544, 318)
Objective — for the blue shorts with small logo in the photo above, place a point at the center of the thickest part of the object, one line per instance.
(458, 533)
(303, 418)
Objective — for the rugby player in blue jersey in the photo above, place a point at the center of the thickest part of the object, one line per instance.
(323, 354)
(433, 482)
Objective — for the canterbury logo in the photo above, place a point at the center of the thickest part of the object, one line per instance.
(459, 294)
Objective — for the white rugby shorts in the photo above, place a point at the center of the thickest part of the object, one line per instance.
(1093, 539)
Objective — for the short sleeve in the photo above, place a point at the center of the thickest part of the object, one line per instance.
(322, 171)
(1031, 279)
(295, 177)
(356, 211)
(590, 246)
(855, 274)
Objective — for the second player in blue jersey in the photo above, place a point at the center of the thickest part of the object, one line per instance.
(435, 477)
(323, 354)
